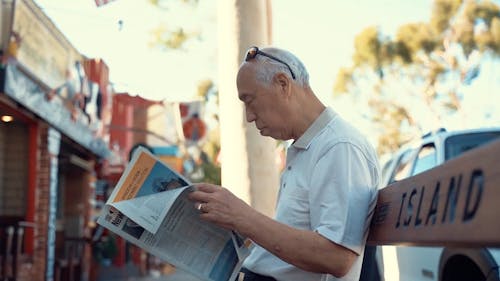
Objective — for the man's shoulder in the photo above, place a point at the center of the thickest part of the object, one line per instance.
(341, 131)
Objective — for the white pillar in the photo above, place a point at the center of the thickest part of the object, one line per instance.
(248, 160)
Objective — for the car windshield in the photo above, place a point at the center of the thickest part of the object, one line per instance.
(456, 145)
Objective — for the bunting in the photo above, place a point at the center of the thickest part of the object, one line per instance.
(100, 3)
(193, 126)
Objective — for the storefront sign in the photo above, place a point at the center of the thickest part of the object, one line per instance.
(42, 49)
(21, 88)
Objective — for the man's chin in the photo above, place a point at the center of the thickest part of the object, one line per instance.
(265, 133)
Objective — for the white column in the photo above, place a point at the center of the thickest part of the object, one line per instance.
(248, 160)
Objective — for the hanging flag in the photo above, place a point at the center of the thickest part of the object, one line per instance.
(193, 126)
(100, 3)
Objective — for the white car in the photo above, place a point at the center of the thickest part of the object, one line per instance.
(436, 263)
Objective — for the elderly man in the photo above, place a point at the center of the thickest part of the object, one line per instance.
(327, 191)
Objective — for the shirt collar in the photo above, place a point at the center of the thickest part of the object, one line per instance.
(323, 119)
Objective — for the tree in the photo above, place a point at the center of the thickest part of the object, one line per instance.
(202, 154)
(173, 38)
(413, 81)
(211, 148)
(168, 37)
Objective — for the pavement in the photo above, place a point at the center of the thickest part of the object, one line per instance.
(130, 272)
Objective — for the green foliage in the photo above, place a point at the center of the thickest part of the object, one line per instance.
(170, 38)
(495, 35)
(485, 10)
(212, 173)
(211, 148)
(344, 77)
(423, 65)
(367, 47)
(176, 39)
(204, 88)
(163, 37)
(391, 115)
(464, 34)
(442, 12)
(416, 37)
(489, 13)
(396, 51)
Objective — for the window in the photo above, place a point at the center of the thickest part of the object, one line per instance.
(456, 145)
(13, 168)
(426, 159)
(403, 166)
(386, 170)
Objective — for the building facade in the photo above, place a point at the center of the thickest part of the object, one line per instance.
(52, 137)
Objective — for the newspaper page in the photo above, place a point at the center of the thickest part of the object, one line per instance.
(150, 208)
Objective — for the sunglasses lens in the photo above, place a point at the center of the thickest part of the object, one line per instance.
(254, 51)
(251, 53)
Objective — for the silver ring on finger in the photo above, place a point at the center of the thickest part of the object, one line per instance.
(200, 207)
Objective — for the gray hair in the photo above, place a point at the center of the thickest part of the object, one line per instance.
(266, 73)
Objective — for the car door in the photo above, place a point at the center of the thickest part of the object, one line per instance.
(420, 263)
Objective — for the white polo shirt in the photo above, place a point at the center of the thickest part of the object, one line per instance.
(329, 186)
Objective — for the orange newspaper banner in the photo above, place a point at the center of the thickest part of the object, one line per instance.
(135, 179)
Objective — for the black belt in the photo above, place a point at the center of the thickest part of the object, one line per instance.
(252, 276)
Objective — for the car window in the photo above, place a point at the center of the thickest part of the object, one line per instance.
(426, 159)
(456, 145)
(402, 168)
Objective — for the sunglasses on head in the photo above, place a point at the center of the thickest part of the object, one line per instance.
(254, 51)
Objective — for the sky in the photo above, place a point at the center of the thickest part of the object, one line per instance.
(321, 34)
(135, 67)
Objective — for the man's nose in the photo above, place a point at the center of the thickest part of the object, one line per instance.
(250, 116)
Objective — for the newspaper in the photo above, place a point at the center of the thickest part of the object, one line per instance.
(149, 207)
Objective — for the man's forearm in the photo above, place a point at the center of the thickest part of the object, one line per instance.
(305, 249)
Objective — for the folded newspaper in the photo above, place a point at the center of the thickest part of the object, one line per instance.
(149, 207)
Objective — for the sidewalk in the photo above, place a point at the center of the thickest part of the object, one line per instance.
(130, 272)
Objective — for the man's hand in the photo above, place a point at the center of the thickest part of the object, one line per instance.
(315, 254)
(219, 206)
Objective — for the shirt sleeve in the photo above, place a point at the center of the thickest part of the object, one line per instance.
(341, 192)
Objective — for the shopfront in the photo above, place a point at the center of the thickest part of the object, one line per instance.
(51, 141)
(17, 189)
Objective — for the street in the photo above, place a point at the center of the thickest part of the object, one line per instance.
(131, 273)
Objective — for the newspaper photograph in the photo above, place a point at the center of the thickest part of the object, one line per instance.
(150, 208)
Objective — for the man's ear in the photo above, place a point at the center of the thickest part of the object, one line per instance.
(283, 82)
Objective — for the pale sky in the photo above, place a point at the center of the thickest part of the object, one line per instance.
(320, 32)
(134, 66)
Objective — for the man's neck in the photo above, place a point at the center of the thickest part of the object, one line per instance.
(309, 107)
